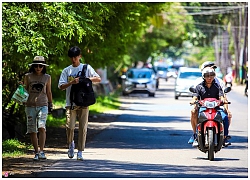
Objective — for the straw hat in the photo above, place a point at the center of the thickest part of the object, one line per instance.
(39, 60)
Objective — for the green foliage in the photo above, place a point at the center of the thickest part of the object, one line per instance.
(198, 55)
(59, 102)
(203, 34)
(169, 30)
(109, 34)
(13, 147)
(104, 104)
(55, 122)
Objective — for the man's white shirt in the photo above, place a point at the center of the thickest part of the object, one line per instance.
(69, 73)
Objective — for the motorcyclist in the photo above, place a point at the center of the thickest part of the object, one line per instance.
(228, 79)
(194, 112)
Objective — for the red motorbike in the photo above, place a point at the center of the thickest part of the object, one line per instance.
(210, 129)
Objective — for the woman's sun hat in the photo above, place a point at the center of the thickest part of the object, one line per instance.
(39, 60)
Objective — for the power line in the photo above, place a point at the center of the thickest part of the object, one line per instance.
(211, 7)
(216, 25)
(212, 12)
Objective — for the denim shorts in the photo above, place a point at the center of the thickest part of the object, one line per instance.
(36, 118)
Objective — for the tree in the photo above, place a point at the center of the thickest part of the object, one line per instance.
(102, 30)
(214, 20)
(168, 28)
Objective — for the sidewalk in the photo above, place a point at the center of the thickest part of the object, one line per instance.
(240, 89)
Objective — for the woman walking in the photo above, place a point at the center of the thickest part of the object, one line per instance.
(38, 105)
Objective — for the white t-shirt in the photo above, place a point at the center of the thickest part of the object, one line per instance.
(69, 73)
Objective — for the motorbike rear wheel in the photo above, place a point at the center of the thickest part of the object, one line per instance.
(211, 144)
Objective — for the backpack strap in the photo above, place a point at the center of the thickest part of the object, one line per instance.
(84, 69)
(83, 74)
(71, 98)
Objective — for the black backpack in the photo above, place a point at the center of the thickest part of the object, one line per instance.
(82, 94)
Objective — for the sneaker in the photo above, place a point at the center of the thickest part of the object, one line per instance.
(79, 156)
(36, 158)
(191, 140)
(195, 143)
(41, 155)
(226, 142)
(71, 150)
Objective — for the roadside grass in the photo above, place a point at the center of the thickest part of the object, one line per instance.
(104, 104)
(13, 147)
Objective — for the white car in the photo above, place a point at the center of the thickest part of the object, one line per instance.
(139, 80)
(162, 72)
(172, 73)
(185, 78)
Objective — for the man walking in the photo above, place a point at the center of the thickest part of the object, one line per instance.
(67, 78)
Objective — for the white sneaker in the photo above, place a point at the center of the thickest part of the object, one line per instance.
(36, 158)
(41, 155)
(195, 143)
(79, 156)
(71, 150)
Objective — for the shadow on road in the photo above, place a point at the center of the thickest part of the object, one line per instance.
(131, 131)
(110, 169)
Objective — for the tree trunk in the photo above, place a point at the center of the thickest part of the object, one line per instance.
(236, 50)
(217, 51)
(245, 45)
(225, 61)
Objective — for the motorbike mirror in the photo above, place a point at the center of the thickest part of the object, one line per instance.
(192, 89)
(227, 89)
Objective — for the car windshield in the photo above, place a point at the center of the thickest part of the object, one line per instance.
(139, 74)
(190, 75)
(160, 68)
(172, 70)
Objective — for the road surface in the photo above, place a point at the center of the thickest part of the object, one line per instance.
(149, 139)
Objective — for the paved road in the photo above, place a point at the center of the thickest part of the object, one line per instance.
(149, 139)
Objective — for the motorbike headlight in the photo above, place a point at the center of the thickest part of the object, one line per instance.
(209, 104)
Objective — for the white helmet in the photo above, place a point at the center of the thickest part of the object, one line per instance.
(208, 71)
(208, 64)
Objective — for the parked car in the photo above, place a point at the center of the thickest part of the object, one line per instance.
(154, 69)
(172, 73)
(186, 77)
(139, 80)
(162, 72)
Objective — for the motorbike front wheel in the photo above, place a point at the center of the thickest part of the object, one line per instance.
(211, 144)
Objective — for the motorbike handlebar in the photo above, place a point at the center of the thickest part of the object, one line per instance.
(197, 102)
(226, 103)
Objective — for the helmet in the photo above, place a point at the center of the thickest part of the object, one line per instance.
(208, 64)
(208, 71)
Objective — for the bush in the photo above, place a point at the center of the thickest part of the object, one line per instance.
(13, 147)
